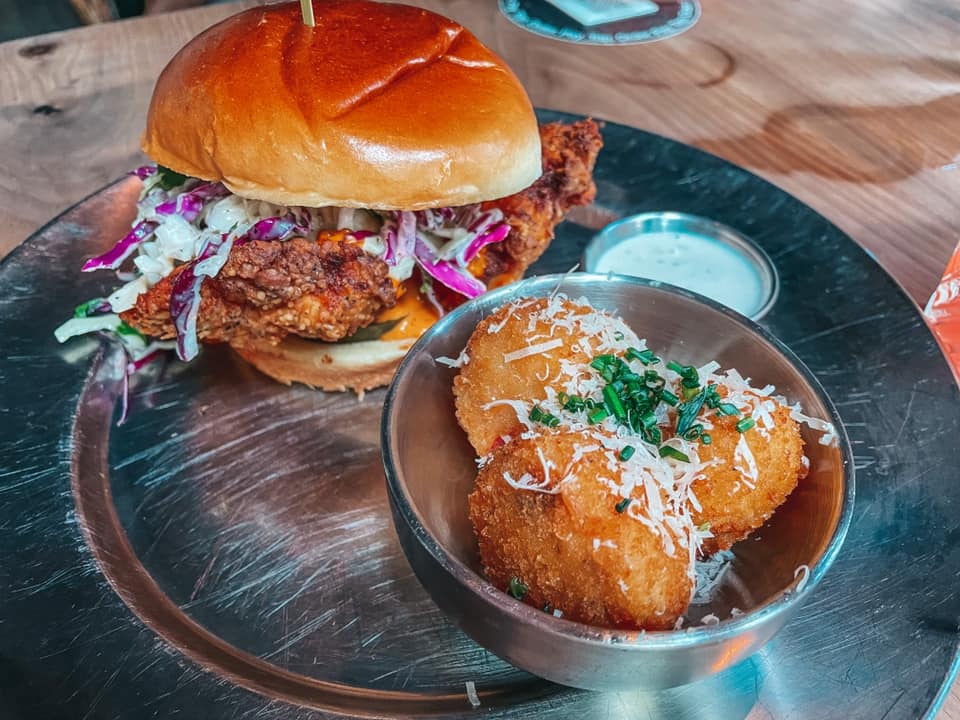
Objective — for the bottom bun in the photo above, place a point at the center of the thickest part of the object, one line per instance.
(357, 366)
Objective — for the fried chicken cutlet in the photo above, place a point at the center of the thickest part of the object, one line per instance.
(328, 289)
(569, 155)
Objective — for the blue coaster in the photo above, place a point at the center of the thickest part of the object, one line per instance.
(576, 22)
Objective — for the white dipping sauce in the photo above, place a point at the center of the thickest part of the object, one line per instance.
(696, 263)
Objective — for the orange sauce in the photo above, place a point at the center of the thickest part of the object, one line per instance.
(416, 313)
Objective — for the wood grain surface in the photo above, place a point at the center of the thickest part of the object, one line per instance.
(853, 107)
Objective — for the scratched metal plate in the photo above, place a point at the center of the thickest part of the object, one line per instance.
(228, 553)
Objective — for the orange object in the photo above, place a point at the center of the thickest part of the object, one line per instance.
(943, 312)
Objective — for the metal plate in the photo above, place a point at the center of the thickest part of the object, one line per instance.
(245, 524)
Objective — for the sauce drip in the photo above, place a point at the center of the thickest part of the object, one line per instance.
(416, 315)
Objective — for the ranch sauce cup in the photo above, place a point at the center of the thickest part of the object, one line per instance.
(690, 252)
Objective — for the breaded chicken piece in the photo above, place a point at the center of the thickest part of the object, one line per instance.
(569, 154)
(733, 508)
(563, 336)
(570, 548)
(325, 289)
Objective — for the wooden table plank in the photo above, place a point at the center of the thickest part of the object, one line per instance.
(852, 107)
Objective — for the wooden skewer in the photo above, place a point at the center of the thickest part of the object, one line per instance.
(96, 11)
(306, 9)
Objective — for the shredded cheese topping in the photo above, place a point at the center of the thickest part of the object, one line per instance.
(472, 694)
(663, 485)
(532, 350)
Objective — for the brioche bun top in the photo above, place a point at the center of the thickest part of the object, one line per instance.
(379, 105)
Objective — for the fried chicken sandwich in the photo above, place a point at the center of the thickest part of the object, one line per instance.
(321, 195)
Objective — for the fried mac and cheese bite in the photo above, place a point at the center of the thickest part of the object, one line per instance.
(606, 471)
(529, 350)
(552, 532)
(747, 474)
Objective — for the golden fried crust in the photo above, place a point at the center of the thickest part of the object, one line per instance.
(487, 377)
(573, 550)
(324, 289)
(732, 508)
(569, 155)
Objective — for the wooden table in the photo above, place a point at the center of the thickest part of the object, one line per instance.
(853, 107)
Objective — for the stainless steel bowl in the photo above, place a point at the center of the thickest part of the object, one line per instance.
(430, 470)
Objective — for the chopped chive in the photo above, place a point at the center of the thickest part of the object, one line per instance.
(727, 409)
(618, 336)
(669, 398)
(648, 419)
(687, 413)
(694, 432)
(652, 435)
(675, 366)
(706, 439)
(745, 424)
(601, 361)
(645, 356)
(713, 397)
(517, 588)
(667, 451)
(704, 527)
(597, 415)
(688, 392)
(538, 414)
(613, 403)
(562, 398)
(690, 383)
(622, 505)
(627, 452)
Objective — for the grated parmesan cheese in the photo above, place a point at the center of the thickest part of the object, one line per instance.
(457, 362)
(529, 482)
(472, 694)
(744, 462)
(532, 350)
